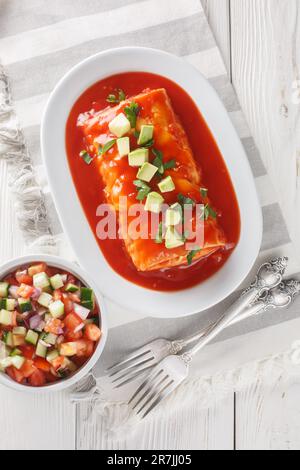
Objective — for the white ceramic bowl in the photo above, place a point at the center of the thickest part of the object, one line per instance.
(133, 297)
(12, 266)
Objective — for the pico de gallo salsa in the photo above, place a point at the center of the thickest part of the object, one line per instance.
(49, 324)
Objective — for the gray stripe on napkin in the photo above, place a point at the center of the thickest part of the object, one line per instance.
(275, 232)
(18, 16)
(226, 92)
(39, 75)
(256, 163)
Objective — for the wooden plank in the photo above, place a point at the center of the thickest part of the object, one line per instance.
(266, 73)
(218, 15)
(32, 421)
(268, 418)
(189, 428)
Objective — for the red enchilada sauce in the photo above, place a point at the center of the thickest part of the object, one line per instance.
(215, 177)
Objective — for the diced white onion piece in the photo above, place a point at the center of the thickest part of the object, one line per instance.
(79, 328)
(82, 312)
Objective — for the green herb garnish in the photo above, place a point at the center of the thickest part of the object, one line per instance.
(149, 144)
(86, 157)
(159, 235)
(116, 99)
(203, 192)
(106, 147)
(132, 112)
(192, 255)
(136, 134)
(185, 200)
(143, 189)
(209, 212)
(169, 165)
(158, 161)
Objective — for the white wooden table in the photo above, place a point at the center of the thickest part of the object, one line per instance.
(260, 42)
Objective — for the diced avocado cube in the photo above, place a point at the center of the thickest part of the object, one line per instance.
(19, 330)
(123, 145)
(56, 281)
(4, 289)
(25, 305)
(173, 215)
(32, 337)
(50, 338)
(41, 281)
(138, 157)
(15, 352)
(52, 355)
(86, 294)
(154, 202)
(72, 288)
(68, 349)
(6, 318)
(41, 350)
(8, 339)
(18, 361)
(166, 185)
(9, 304)
(146, 134)
(120, 125)
(57, 309)
(173, 239)
(146, 172)
(45, 299)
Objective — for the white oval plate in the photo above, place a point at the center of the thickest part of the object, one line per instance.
(75, 224)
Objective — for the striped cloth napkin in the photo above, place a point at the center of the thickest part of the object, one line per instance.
(38, 45)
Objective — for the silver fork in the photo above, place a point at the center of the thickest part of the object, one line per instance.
(148, 356)
(173, 370)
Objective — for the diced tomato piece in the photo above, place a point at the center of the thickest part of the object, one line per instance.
(15, 374)
(14, 318)
(92, 332)
(27, 350)
(85, 348)
(11, 280)
(71, 336)
(50, 378)
(37, 268)
(69, 307)
(28, 369)
(54, 325)
(24, 278)
(74, 298)
(57, 295)
(37, 379)
(58, 362)
(25, 291)
(72, 321)
(42, 364)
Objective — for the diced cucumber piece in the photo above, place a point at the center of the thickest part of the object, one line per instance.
(32, 337)
(15, 352)
(123, 145)
(4, 289)
(86, 294)
(120, 125)
(52, 355)
(173, 239)
(8, 339)
(57, 309)
(6, 318)
(72, 288)
(50, 338)
(89, 304)
(9, 304)
(154, 202)
(56, 281)
(69, 365)
(25, 305)
(45, 299)
(18, 361)
(18, 340)
(47, 317)
(41, 350)
(19, 330)
(68, 349)
(2, 304)
(41, 281)
(173, 215)
(146, 172)
(138, 157)
(166, 185)
(146, 134)
(6, 362)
